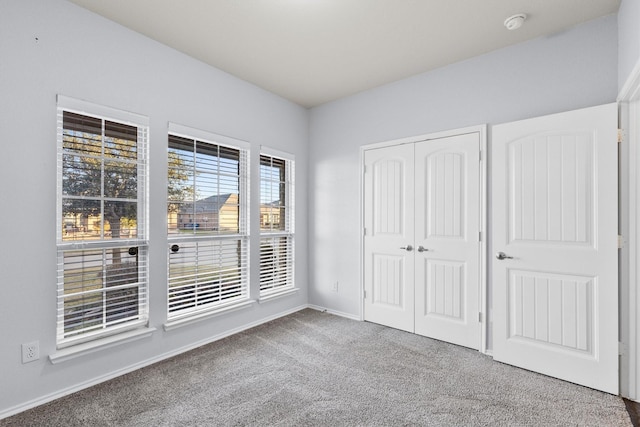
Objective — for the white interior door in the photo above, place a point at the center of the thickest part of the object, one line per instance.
(448, 189)
(555, 222)
(389, 237)
(422, 252)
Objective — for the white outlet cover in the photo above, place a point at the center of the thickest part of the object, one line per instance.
(30, 351)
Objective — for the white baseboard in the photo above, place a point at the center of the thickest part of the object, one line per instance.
(86, 384)
(335, 312)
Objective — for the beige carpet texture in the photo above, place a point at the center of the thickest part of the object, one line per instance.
(316, 369)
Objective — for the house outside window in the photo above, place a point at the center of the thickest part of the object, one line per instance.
(208, 233)
(277, 231)
(101, 221)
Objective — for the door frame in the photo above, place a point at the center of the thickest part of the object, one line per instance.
(629, 199)
(481, 130)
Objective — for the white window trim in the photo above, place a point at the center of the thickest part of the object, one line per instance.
(101, 111)
(266, 151)
(271, 294)
(196, 315)
(191, 318)
(78, 345)
(206, 136)
(89, 347)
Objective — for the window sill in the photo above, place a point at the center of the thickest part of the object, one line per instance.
(277, 294)
(189, 319)
(83, 349)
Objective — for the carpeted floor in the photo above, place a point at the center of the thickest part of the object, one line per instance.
(313, 368)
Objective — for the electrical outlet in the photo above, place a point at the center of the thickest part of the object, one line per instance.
(335, 286)
(30, 352)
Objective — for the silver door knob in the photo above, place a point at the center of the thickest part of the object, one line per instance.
(502, 255)
(422, 249)
(407, 248)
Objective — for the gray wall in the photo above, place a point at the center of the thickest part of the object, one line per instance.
(50, 47)
(628, 38)
(573, 69)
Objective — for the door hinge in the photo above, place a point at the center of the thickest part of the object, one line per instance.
(365, 294)
(364, 168)
(480, 317)
(480, 156)
(620, 242)
(364, 231)
(622, 349)
(620, 135)
(479, 236)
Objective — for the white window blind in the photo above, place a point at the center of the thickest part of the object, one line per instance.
(101, 222)
(207, 208)
(205, 274)
(276, 224)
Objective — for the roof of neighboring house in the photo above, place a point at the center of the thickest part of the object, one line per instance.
(275, 203)
(210, 204)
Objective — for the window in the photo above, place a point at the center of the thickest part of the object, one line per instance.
(276, 224)
(101, 221)
(207, 210)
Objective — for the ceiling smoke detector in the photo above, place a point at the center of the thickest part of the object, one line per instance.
(514, 22)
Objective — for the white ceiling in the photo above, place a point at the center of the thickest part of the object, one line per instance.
(316, 51)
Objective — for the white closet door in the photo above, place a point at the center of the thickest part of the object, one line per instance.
(555, 231)
(389, 237)
(448, 216)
